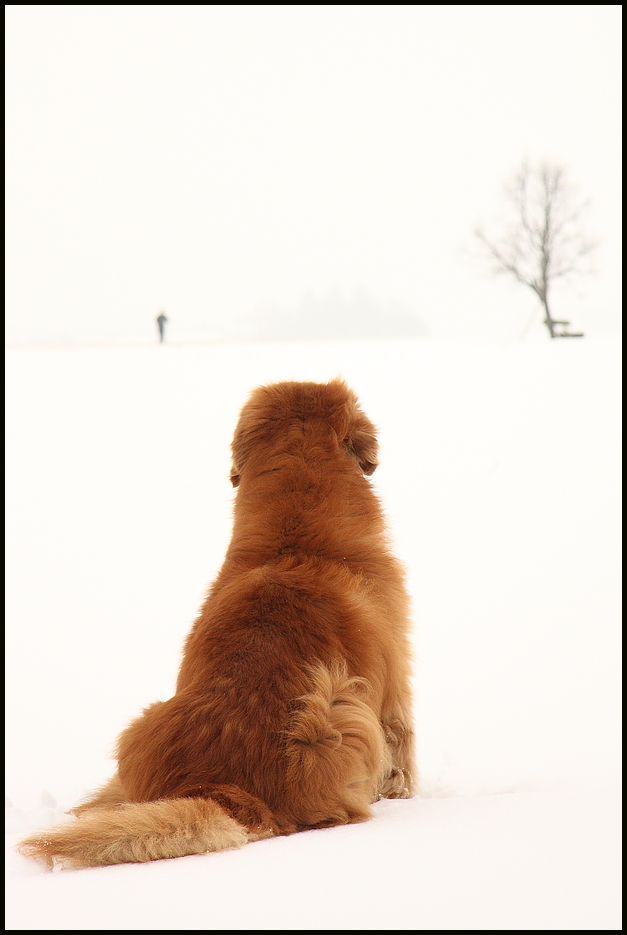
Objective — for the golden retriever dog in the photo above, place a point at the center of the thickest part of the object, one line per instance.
(292, 708)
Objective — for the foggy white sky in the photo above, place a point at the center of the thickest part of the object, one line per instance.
(214, 160)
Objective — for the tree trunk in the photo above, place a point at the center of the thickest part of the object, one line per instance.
(548, 321)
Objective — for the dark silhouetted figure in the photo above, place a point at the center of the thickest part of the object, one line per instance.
(161, 320)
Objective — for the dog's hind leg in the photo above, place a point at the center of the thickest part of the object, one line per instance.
(337, 754)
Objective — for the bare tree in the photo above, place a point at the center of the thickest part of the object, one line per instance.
(544, 241)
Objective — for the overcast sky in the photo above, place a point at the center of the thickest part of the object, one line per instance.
(212, 161)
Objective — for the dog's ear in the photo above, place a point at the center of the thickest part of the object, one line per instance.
(363, 446)
(361, 440)
(353, 428)
(251, 425)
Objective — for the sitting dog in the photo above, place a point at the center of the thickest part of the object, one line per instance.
(292, 708)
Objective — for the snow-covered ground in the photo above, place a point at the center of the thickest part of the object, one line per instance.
(500, 474)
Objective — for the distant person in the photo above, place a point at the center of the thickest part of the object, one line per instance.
(161, 320)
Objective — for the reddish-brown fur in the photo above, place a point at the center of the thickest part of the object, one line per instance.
(292, 707)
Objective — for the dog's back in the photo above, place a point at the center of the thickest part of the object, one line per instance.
(292, 707)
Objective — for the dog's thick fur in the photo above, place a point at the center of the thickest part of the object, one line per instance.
(292, 707)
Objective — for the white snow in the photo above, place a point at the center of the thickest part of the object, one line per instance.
(500, 474)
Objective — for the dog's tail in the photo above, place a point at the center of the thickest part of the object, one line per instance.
(335, 762)
(141, 831)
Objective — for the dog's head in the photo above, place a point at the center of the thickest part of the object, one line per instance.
(272, 409)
